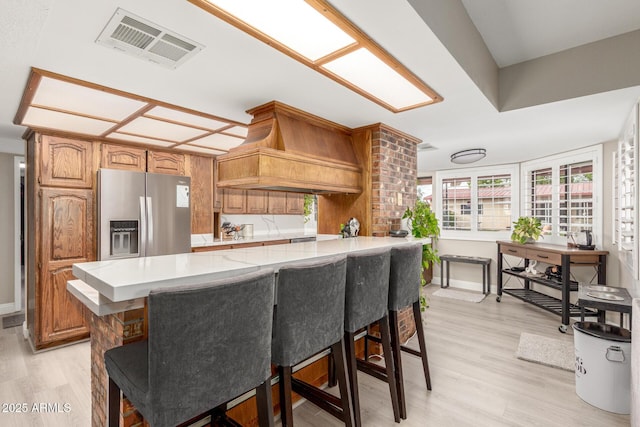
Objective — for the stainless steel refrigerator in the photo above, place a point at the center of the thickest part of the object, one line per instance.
(142, 214)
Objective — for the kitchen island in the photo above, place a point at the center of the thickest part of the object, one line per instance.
(115, 292)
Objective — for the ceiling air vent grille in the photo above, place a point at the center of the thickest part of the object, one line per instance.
(131, 34)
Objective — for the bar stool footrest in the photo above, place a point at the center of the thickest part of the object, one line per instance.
(320, 398)
(411, 351)
(376, 371)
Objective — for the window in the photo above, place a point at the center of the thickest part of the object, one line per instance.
(562, 193)
(425, 189)
(625, 195)
(477, 203)
(494, 192)
(455, 193)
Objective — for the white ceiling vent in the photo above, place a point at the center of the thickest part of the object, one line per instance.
(137, 36)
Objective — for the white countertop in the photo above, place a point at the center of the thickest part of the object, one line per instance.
(205, 240)
(129, 279)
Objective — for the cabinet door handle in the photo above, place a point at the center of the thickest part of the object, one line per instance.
(513, 251)
(543, 256)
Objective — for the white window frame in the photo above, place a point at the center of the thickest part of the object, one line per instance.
(474, 174)
(625, 195)
(593, 154)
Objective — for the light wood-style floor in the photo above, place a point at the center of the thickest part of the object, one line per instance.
(477, 380)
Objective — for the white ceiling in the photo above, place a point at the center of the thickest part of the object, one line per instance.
(235, 72)
(516, 31)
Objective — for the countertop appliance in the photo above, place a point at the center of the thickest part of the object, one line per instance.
(584, 240)
(142, 214)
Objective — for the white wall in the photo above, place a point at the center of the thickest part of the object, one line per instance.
(7, 243)
(10, 146)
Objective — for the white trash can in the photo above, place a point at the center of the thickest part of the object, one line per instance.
(603, 365)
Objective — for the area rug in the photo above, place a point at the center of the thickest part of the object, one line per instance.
(12, 321)
(546, 351)
(459, 295)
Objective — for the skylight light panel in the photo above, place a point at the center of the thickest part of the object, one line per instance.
(50, 119)
(85, 100)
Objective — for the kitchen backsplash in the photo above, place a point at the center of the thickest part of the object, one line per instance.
(270, 224)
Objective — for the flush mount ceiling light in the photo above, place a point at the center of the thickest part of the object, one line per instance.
(314, 33)
(468, 156)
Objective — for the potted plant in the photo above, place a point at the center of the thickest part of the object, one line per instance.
(526, 229)
(423, 223)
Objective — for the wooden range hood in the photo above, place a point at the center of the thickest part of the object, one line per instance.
(290, 150)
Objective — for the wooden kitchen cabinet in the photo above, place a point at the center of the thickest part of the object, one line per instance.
(66, 237)
(217, 192)
(163, 162)
(295, 204)
(60, 213)
(256, 202)
(65, 162)
(277, 202)
(282, 203)
(201, 173)
(234, 201)
(244, 201)
(123, 157)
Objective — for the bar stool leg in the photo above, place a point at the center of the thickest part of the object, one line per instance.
(114, 404)
(331, 368)
(397, 361)
(352, 370)
(417, 317)
(366, 343)
(286, 409)
(385, 335)
(343, 383)
(265, 404)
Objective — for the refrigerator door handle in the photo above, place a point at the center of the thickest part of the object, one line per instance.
(149, 223)
(143, 228)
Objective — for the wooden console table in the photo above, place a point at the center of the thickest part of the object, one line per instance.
(553, 255)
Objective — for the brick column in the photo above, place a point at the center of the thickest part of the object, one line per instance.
(108, 332)
(394, 175)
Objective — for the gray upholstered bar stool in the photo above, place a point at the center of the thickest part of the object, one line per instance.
(366, 302)
(404, 291)
(309, 318)
(207, 345)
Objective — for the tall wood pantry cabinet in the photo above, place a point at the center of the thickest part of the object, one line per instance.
(60, 220)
